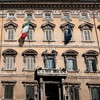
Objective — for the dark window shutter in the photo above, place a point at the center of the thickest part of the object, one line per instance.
(29, 92)
(8, 92)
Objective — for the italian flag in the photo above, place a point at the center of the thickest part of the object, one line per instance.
(25, 31)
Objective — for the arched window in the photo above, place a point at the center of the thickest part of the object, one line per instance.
(29, 59)
(86, 30)
(70, 60)
(9, 59)
(49, 59)
(10, 30)
(48, 29)
(91, 60)
(31, 32)
(67, 30)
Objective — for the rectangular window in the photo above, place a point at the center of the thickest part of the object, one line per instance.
(11, 15)
(50, 63)
(10, 34)
(87, 35)
(29, 62)
(71, 64)
(66, 16)
(29, 15)
(74, 92)
(10, 63)
(48, 34)
(91, 65)
(30, 35)
(8, 92)
(95, 93)
(30, 92)
(48, 16)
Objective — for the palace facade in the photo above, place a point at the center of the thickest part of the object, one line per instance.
(46, 67)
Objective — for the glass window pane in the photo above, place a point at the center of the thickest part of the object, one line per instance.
(29, 62)
(8, 92)
(9, 62)
(74, 93)
(50, 63)
(95, 92)
(71, 64)
(92, 65)
(30, 92)
(48, 34)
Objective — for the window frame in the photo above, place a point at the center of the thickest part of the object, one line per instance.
(46, 62)
(91, 55)
(9, 53)
(87, 34)
(29, 68)
(64, 14)
(35, 86)
(29, 53)
(82, 18)
(74, 63)
(9, 83)
(93, 86)
(47, 18)
(48, 34)
(71, 54)
(27, 17)
(11, 37)
(70, 94)
(11, 15)
(32, 35)
(51, 55)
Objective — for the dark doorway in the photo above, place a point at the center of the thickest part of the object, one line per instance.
(51, 92)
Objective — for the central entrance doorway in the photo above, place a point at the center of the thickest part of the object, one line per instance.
(51, 91)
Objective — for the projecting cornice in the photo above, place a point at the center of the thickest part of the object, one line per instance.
(24, 4)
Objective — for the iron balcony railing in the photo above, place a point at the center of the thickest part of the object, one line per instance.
(51, 72)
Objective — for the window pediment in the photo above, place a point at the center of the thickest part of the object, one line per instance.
(29, 52)
(52, 53)
(91, 53)
(86, 26)
(31, 24)
(49, 24)
(9, 52)
(65, 26)
(70, 53)
(10, 23)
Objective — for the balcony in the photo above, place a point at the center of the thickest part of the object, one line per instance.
(51, 72)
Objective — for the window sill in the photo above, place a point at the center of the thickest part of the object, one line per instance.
(84, 19)
(47, 19)
(48, 41)
(10, 40)
(28, 70)
(92, 72)
(30, 41)
(76, 71)
(26, 19)
(87, 41)
(12, 18)
(4, 69)
(69, 41)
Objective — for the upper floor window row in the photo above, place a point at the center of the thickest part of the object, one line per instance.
(48, 31)
(48, 15)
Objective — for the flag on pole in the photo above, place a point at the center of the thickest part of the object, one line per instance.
(25, 31)
(68, 35)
